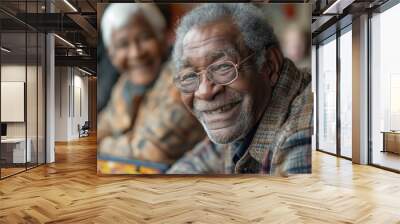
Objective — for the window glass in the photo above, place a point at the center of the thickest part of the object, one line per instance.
(346, 94)
(327, 96)
(385, 88)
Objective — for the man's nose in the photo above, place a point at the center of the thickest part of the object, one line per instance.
(207, 89)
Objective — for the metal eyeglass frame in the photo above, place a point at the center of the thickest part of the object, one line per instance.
(236, 66)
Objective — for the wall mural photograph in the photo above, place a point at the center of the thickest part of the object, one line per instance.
(204, 89)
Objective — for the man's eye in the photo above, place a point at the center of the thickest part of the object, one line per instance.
(222, 68)
(190, 77)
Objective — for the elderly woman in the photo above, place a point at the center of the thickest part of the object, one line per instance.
(145, 119)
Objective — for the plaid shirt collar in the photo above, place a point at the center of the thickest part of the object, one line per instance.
(240, 147)
(285, 91)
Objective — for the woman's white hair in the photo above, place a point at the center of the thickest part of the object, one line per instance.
(118, 15)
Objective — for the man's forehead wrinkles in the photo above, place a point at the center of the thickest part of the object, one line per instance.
(189, 44)
(224, 50)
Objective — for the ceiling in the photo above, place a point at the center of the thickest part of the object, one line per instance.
(72, 20)
(76, 22)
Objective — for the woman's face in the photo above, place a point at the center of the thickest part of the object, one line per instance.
(136, 51)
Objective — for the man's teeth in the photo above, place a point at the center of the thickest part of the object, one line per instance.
(222, 109)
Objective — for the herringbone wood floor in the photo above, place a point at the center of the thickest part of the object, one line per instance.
(69, 191)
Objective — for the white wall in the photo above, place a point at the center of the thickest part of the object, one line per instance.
(12, 101)
(71, 93)
(61, 103)
(12, 73)
(33, 126)
(16, 73)
(80, 94)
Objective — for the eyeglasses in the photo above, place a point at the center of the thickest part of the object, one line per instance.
(220, 73)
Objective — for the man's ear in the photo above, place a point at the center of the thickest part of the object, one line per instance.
(273, 63)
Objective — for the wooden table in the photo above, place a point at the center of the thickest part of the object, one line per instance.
(391, 141)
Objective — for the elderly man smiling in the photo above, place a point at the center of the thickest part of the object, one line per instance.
(254, 104)
(145, 119)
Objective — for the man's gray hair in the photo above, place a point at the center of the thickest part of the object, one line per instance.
(256, 31)
(118, 15)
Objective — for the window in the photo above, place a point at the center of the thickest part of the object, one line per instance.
(327, 95)
(385, 88)
(346, 92)
(22, 66)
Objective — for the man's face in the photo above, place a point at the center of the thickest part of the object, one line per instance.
(136, 51)
(226, 112)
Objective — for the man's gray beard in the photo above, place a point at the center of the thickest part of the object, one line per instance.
(240, 129)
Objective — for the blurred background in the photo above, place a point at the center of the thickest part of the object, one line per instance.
(291, 23)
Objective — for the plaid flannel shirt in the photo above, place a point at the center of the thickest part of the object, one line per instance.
(281, 144)
(149, 124)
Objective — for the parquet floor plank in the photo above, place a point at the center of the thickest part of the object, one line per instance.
(69, 191)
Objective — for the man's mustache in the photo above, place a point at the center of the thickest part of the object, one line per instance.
(222, 99)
